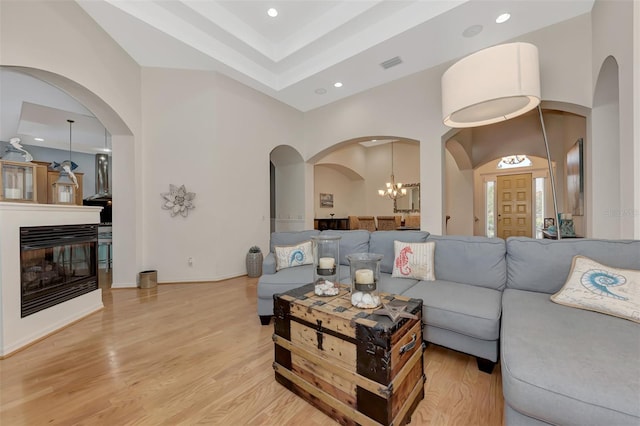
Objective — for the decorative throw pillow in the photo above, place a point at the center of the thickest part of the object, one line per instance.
(414, 260)
(290, 256)
(600, 288)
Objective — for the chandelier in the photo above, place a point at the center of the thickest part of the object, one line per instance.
(393, 190)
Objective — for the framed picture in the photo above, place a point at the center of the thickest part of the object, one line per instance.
(575, 178)
(549, 222)
(326, 200)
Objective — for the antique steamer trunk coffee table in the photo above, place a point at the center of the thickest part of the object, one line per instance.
(356, 366)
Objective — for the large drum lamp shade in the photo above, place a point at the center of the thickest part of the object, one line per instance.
(494, 84)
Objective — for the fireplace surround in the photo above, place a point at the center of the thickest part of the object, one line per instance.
(57, 263)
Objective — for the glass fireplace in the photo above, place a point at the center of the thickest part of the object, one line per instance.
(57, 263)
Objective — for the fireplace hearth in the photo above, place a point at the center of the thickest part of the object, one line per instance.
(57, 263)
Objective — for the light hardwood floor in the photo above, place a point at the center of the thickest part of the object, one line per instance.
(184, 354)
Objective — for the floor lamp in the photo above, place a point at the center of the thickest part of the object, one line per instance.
(492, 85)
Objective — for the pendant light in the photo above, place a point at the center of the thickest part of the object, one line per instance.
(64, 189)
(393, 190)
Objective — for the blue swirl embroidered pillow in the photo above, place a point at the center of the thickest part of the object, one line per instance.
(290, 256)
(600, 288)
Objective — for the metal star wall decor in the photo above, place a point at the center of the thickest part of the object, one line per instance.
(395, 311)
(178, 200)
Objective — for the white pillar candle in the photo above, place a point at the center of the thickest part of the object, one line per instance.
(65, 197)
(326, 262)
(364, 276)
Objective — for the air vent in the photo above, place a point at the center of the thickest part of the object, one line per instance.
(391, 62)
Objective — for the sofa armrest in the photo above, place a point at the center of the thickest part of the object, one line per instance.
(269, 264)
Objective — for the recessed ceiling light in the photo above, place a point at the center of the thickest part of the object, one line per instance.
(272, 12)
(472, 31)
(503, 18)
(38, 139)
(337, 84)
(321, 91)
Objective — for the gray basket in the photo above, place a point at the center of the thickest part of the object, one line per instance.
(254, 264)
(148, 279)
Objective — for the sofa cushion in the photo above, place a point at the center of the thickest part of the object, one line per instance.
(568, 366)
(356, 241)
(479, 261)
(284, 280)
(413, 260)
(600, 288)
(290, 238)
(389, 284)
(381, 242)
(466, 309)
(292, 256)
(544, 265)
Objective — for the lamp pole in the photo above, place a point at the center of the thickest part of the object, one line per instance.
(551, 174)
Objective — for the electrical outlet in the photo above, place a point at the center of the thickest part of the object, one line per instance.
(190, 261)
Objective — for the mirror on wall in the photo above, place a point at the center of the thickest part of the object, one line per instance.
(410, 203)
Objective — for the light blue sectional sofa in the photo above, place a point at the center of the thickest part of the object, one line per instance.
(461, 308)
(562, 365)
(491, 299)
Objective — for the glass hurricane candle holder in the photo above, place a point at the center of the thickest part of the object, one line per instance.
(326, 261)
(64, 190)
(365, 275)
(17, 181)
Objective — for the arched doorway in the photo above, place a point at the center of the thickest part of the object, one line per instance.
(352, 171)
(468, 149)
(287, 187)
(125, 246)
(605, 152)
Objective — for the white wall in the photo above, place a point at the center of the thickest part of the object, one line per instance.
(351, 155)
(636, 122)
(214, 136)
(348, 194)
(290, 187)
(459, 198)
(614, 220)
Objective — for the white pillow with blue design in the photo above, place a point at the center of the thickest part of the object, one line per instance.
(601, 288)
(290, 256)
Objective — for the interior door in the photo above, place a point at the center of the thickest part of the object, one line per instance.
(515, 213)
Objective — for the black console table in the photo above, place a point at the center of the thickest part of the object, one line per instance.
(338, 223)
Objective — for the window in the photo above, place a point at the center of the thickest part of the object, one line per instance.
(513, 161)
(490, 203)
(539, 206)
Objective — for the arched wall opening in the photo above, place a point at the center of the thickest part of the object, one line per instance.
(127, 232)
(605, 154)
(466, 150)
(287, 188)
(351, 172)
